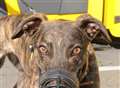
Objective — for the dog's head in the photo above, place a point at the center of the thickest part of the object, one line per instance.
(58, 49)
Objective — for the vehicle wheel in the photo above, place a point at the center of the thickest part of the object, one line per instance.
(115, 41)
(115, 44)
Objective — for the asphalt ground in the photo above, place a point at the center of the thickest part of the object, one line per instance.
(108, 59)
(109, 66)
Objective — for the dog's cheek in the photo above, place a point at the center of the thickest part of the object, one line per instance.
(74, 63)
(42, 63)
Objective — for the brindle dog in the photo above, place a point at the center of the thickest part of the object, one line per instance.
(52, 54)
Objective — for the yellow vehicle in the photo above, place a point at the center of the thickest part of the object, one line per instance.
(107, 11)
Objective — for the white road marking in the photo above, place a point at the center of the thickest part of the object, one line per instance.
(109, 68)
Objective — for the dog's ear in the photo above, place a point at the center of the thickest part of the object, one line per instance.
(92, 28)
(28, 24)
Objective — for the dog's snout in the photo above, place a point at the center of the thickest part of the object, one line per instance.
(57, 79)
(56, 83)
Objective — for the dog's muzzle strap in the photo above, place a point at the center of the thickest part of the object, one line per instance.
(57, 79)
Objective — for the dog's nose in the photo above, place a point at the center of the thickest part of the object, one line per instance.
(57, 79)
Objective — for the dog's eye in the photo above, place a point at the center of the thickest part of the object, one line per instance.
(43, 49)
(76, 51)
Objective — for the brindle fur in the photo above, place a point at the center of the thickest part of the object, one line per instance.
(59, 34)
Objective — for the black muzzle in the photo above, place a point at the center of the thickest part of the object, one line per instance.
(57, 79)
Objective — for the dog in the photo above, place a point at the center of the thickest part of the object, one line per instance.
(52, 54)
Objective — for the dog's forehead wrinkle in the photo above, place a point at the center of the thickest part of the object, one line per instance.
(54, 36)
(56, 30)
(57, 25)
(61, 33)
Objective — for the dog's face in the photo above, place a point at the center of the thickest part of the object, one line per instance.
(60, 48)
